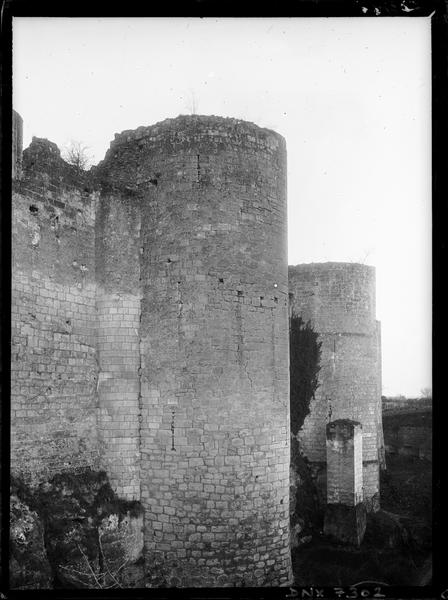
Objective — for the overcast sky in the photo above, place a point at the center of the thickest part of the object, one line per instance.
(350, 95)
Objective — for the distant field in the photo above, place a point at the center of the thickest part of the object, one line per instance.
(390, 404)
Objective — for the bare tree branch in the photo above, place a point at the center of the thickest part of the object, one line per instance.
(76, 154)
(100, 579)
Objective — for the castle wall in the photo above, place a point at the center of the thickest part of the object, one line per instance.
(339, 300)
(53, 355)
(150, 339)
(379, 408)
(214, 348)
(17, 144)
(118, 338)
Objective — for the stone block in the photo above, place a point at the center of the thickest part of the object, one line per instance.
(344, 462)
(346, 524)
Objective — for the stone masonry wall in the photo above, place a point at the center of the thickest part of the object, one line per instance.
(339, 300)
(214, 348)
(344, 462)
(17, 145)
(118, 338)
(379, 408)
(345, 514)
(150, 339)
(54, 363)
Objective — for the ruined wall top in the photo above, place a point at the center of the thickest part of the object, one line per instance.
(333, 266)
(190, 124)
(138, 158)
(42, 161)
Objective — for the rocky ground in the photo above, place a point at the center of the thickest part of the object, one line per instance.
(74, 532)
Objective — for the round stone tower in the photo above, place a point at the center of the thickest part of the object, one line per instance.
(338, 299)
(17, 144)
(214, 352)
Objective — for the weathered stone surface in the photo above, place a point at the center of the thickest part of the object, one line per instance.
(120, 539)
(345, 524)
(28, 564)
(345, 513)
(17, 145)
(213, 343)
(150, 339)
(53, 319)
(338, 299)
(344, 462)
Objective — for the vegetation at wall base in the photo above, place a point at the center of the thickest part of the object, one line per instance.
(304, 360)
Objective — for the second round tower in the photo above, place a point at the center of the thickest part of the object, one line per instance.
(338, 300)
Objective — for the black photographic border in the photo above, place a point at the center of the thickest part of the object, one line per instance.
(437, 11)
